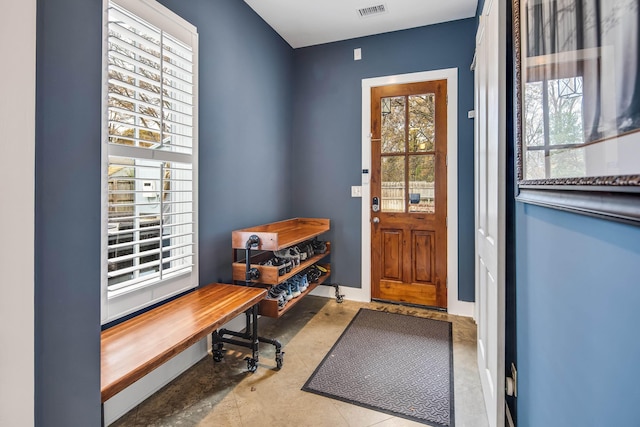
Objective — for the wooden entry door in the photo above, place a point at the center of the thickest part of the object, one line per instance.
(409, 193)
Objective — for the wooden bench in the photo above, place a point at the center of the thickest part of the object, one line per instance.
(133, 348)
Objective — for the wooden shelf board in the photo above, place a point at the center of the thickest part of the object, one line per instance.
(269, 308)
(282, 234)
(269, 274)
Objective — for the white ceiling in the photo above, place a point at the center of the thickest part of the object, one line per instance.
(310, 22)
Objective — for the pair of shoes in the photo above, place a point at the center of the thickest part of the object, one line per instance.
(319, 246)
(303, 253)
(282, 289)
(315, 271)
(304, 282)
(306, 250)
(278, 295)
(299, 284)
(292, 254)
(295, 287)
(313, 274)
(284, 266)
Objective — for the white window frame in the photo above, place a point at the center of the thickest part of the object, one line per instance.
(115, 305)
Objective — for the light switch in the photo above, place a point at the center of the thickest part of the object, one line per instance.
(357, 54)
(356, 191)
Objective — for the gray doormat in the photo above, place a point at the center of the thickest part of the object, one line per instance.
(393, 363)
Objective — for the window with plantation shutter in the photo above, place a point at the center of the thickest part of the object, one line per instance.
(149, 152)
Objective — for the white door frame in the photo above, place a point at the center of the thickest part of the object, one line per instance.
(462, 308)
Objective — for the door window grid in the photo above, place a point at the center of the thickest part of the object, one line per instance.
(408, 154)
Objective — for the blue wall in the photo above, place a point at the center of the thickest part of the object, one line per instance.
(578, 288)
(246, 74)
(67, 225)
(327, 131)
(245, 107)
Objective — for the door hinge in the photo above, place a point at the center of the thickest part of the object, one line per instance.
(447, 99)
(446, 160)
(511, 383)
(446, 282)
(446, 221)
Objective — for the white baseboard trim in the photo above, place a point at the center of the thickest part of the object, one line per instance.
(461, 308)
(142, 389)
(351, 294)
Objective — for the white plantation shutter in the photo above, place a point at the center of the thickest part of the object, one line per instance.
(151, 147)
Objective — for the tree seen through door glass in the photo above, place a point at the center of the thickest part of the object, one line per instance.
(422, 124)
(393, 184)
(422, 179)
(392, 130)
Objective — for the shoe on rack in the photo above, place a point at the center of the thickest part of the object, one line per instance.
(321, 268)
(307, 249)
(300, 282)
(277, 262)
(295, 289)
(286, 288)
(275, 293)
(295, 254)
(278, 295)
(303, 252)
(281, 264)
(289, 254)
(319, 246)
(317, 270)
(303, 282)
(310, 249)
(282, 301)
(313, 274)
(286, 263)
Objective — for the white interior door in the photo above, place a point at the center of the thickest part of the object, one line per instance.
(489, 204)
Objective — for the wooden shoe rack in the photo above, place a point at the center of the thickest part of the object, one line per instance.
(264, 239)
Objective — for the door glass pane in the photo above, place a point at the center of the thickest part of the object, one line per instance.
(393, 124)
(393, 188)
(422, 177)
(422, 123)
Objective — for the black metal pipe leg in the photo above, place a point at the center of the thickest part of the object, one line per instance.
(254, 332)
(217, 345)
(251, 273)
(249, 338)
(252, 325)
(251, 322)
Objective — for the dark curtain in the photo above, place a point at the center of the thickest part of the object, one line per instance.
(597, 40)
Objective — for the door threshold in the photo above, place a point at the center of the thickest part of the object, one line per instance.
(406, 304)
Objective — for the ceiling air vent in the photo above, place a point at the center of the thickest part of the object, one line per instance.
(372, 10)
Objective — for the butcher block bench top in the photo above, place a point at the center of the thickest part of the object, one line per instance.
(133, 348)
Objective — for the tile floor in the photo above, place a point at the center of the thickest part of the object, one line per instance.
(225, 394)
